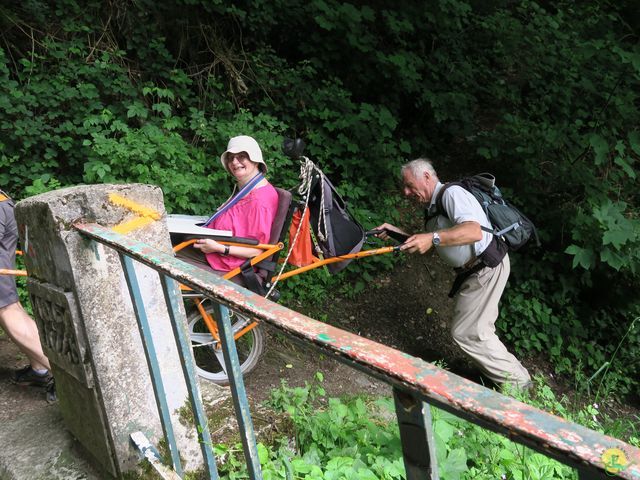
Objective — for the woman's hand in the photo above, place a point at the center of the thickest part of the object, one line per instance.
(207, 245)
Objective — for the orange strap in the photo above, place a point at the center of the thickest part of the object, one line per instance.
(3, 197)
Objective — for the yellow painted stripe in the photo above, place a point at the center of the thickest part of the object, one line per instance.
(134, 224)
(133, 206)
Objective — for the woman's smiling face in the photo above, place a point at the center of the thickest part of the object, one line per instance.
(241, 166)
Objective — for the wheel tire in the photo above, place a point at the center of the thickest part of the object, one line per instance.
(249, 347)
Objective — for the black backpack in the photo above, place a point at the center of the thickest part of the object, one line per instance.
(336, 231)
(509, 224)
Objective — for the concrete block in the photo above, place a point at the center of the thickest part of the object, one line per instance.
(87, 324)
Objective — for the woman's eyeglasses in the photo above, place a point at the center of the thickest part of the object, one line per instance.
(241, 157)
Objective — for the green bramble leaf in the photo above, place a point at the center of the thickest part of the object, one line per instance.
(634, 141)
(582, 257)
(600, 148)
(619, 237)
(628, 169)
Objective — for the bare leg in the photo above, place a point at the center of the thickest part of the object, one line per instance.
(23, 331)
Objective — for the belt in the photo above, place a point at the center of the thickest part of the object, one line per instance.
(464, 273)
(470, 264)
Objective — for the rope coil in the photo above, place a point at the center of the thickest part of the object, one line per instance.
(307, 169)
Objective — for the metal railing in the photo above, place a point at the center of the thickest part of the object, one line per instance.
(416, 384)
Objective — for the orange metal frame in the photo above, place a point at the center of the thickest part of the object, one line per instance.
(268, 251)
(17, 273)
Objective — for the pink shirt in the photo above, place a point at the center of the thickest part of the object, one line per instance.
(251, 217)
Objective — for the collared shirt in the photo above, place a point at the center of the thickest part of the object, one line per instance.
(461, 206)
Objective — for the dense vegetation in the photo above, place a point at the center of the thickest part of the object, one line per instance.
(543, 94)
(358, 438)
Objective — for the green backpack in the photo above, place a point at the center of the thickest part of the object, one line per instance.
(509, 224)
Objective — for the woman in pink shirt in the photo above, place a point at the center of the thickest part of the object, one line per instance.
(251, 216)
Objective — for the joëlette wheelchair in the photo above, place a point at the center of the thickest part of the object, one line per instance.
(263, 272)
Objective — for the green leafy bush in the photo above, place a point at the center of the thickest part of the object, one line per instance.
(357, 437)
(543, 95)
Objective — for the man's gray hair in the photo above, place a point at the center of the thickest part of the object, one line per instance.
(418, 166)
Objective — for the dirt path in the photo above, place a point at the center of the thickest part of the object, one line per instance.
(15, 399)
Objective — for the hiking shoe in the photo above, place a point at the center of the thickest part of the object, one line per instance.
(28, 376)
(50, 391)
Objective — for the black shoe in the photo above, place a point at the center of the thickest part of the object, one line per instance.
(50, 391)
(28, 376)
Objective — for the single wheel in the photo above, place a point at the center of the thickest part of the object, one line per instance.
(208, 354)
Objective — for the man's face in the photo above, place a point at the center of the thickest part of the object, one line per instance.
(417, 187)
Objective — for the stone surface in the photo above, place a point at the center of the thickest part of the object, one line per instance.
(34, 440)
(88, 327)
(38, 447)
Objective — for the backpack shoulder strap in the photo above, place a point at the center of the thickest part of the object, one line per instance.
(467, 184)
(439, 208)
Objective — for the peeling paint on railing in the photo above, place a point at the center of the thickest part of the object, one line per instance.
(565, 441)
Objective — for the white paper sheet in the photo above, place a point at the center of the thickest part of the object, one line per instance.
(187, 224)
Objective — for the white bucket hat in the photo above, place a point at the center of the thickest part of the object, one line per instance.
(244, 143)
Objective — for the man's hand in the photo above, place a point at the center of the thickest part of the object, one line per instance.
(391, 228)
(418, 243)
(207, 245)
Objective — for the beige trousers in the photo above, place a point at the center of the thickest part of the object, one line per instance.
(473, 326)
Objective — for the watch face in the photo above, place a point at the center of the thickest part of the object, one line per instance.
(436, 239)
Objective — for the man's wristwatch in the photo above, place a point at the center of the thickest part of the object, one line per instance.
(436, 239)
